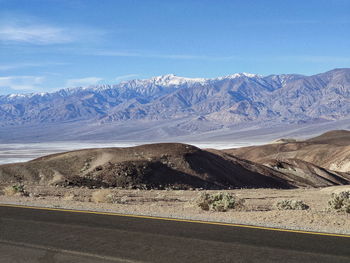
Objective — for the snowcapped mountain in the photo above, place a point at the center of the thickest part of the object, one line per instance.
(197, 104)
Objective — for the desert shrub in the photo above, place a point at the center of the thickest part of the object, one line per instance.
(102, 196)
(57, 179)
(69, 197)
(220, 202)
(291, 205)
(9, 191)
(340, 201)
(17, 189)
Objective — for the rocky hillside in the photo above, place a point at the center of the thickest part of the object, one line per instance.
(157, 166)
(330, 151)
(308, 173)
(196, 105)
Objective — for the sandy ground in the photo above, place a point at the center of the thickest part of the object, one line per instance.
(258, 207)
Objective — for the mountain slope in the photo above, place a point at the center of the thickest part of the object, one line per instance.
(330, 151)
(307, 173)
(189, 106)
(146, 166)
(160, 166)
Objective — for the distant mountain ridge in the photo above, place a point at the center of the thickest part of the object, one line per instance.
(197, 104)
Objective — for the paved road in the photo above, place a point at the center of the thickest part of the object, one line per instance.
(32, 235)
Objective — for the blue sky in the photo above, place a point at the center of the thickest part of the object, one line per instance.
(46, 45)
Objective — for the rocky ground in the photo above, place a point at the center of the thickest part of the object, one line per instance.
(259, 206)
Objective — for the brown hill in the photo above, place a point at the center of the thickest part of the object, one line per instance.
(148, 166)
(338, 137)
(159, 166)
(330, 151)
(307, 173)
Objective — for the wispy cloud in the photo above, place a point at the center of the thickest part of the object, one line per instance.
(4, 67)
(124, 77)
(111, 53)
(21, 83)
(71, 83)
(300, 58)
(35, 34)
(31, 31)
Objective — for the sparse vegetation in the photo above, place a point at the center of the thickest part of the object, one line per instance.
(17, 189)
(291, 205)
(9, 191)
(340, 201)
(102, 196)
(257, 208)
(219, 202)
(69, 197)
(108, 196)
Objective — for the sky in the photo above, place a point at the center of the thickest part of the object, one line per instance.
(46, 45)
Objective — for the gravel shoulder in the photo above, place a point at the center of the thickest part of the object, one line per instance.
(258, 208)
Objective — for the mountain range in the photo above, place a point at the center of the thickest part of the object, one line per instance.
(169, 106)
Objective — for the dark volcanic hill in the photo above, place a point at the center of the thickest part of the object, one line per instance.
(176, 106)
(147, 166)
(156, 166)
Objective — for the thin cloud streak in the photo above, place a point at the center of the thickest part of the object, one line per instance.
(35, 34)
(28, 30)
(124, 77)
(21, 83)
(82, 82)
(155, 55)
(5, 67)
(303, 58)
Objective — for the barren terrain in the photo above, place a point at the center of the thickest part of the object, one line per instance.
(330, 150)
(259, 206)
(161, 166)
(166, 179)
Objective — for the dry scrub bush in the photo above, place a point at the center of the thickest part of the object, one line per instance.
(340, 201)
(14, 190)
(69, 197)
(102, 196)
(291, 205)
(107, 196)
(9, 191)
(219, 202)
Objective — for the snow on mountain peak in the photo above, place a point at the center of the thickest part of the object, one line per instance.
(243, 74)
(174, 80)
(171, 79)
(26, 95)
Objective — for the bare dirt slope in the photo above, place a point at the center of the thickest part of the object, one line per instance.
(330, 150)
(337, 137)
(307, 173)
(158, 166)
(148, 166)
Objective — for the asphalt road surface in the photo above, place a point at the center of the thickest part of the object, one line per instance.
(33, 235)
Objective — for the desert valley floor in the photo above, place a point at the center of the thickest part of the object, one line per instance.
(167, 179)
(259, 207)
